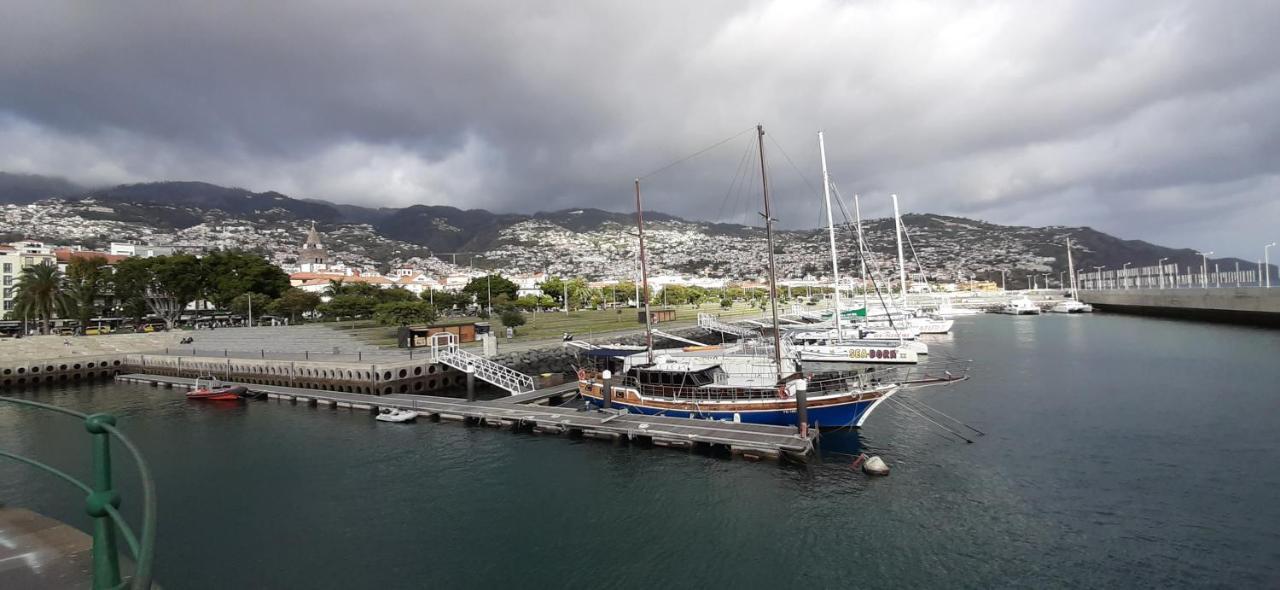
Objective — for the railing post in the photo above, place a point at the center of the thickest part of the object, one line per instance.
(106, 562)
(471, 383)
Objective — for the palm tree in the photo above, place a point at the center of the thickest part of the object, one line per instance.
(39, 293)
(336, 287)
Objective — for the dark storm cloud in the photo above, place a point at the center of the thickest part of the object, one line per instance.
(1147, 119)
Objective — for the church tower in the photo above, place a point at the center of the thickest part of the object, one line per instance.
(313, 256)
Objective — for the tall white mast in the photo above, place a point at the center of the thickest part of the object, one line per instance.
(862, 248)
(1071, 270)
(831, 232)
(902, 264)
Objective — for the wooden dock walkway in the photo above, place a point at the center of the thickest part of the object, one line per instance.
(754, 441)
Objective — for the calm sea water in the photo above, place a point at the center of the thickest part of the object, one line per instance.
(1121, 452)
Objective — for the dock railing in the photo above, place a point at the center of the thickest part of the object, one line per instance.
(444, 349)
(102, 501)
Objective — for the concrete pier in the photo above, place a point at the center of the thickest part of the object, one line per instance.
(1246, 305)
(748, 440)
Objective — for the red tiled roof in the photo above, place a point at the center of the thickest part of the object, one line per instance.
(68, 255)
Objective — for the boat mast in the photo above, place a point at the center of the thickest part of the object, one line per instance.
(862, 248)
(644, 277)
(902, 265)
(831, 231)
(773, 278)
(1071, 270)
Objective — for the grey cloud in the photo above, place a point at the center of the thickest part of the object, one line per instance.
(1147, 119)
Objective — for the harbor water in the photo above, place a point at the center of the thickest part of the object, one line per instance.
(1120, 452)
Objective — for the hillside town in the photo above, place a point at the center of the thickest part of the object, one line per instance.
(943, 250)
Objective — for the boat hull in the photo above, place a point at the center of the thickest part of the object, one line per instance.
(844, 411)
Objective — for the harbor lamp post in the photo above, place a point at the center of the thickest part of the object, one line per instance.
(1124, 272)
(1098, 283)
(1003, 280)
(1204, 268)
(1266, 259)
(1030, 284)
(1061, 273)
(1160, 263)
(1046, 280)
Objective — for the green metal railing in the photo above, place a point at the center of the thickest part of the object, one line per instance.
(102, 502)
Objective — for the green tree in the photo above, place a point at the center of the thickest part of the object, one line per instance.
(553, 288)
(129, 286)
(294, 303)
(362, 289)
(528, 302)
(348, 306)
(86, 281)
(40, 295)
(255, 302)
(175, 282)
(512, 318)
(395, 294)
(335, 287)
(480, 288)
(228, 275)
(726, 303)
(445, 299)
(399, 313)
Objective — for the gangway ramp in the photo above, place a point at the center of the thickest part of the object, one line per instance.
(444, 349)
(712, 323)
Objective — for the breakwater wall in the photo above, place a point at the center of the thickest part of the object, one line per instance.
(1250, 305)
(376, 378)
(17, 374)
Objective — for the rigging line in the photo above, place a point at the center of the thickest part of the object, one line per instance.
(914, 256)
(935, 422)
(865, 253)
(697, 153)
(793, 165)
(738, 173)
(921, 404)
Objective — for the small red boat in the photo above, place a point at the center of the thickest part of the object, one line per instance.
(214, 391)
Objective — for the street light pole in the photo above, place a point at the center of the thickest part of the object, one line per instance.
(1266, 259)
(1204, 268)
(1160, 263)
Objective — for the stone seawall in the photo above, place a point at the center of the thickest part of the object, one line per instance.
(16, 374)
(370, 378)
(379, 378)
(1259, 306)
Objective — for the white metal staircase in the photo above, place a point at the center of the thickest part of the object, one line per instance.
(707, 321)
(444, 349)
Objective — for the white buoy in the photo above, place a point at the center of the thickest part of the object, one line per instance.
(875, 466)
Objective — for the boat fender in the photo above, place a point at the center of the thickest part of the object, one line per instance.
(875, 466)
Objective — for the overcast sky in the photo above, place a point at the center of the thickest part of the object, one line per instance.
(1151, 120)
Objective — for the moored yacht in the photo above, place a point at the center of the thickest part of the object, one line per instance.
(1071, 306)
(1020, 306)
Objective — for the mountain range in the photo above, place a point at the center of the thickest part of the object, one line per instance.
(585, 241)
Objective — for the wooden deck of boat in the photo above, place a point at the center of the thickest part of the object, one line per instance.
(750, 440)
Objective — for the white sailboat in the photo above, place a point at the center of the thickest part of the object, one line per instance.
(1072, 305)
(840, 345)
